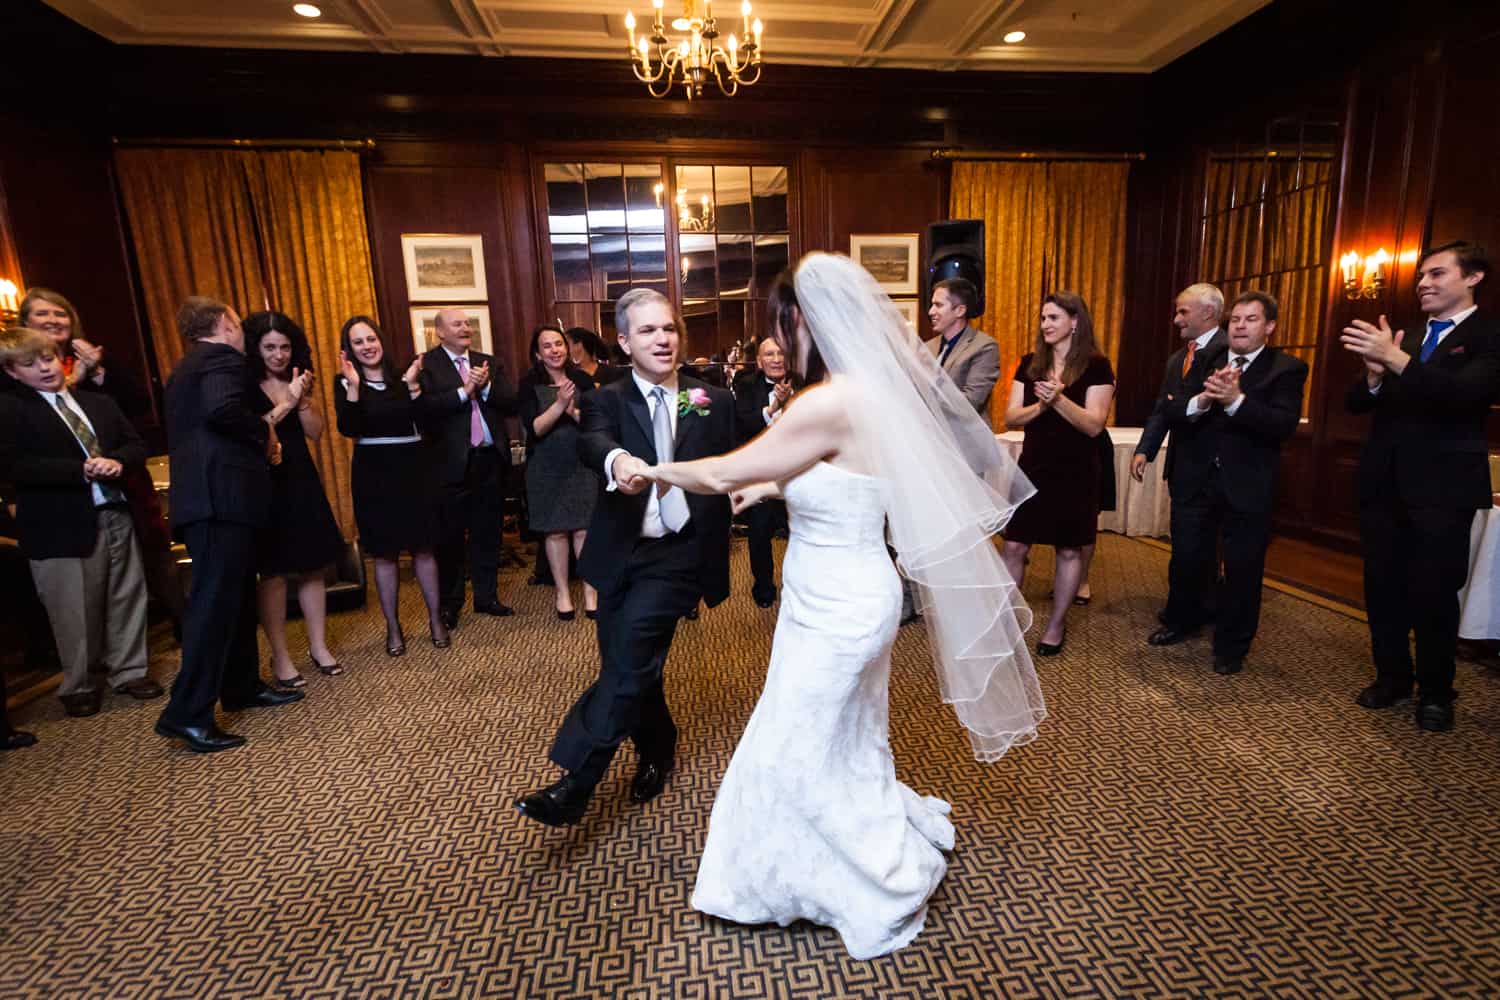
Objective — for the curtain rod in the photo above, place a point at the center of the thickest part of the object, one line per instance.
(1001, 154)
(355, 145)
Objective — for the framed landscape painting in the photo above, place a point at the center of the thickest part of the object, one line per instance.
(424, 326)
(890, 257)
(910, 311)
(443, 267)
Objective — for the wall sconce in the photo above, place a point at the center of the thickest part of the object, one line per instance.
(1364, 279)
(10, 304)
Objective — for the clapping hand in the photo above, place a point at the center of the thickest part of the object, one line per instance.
(348, 369)
(1376, 345)
(780, 393)
(1047, 391)
(631, 474)
(413, 374)
(273, 448)
(479, 377)
(100, 467)
(87, 354)
(567, 393)
(300, 385)
(1223, 386)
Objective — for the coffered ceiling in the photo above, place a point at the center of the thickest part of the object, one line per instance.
(1122, 36)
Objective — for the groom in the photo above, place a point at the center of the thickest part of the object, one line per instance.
(652, 556)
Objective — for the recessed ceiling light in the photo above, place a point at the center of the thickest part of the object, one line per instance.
(1012, 37)
(307, 10)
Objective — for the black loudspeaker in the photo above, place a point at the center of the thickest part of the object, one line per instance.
(955, 249)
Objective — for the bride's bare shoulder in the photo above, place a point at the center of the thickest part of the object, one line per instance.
(822, 402)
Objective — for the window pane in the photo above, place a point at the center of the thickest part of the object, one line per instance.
(648, 259)
(696, 258)
(571, 314)
(734, 267)
(769, 190)
(695, 199)
(565, 205)
(611, 266)
(606, 197)
(770, 260)
(570, 266)
(644, 194)
(733, 325)
(732, 189)
(702, 319)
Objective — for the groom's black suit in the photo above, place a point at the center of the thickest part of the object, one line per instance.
(645, 584)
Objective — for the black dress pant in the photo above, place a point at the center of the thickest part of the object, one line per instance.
(1416, 561)
(636, 625)
(475, 507)
(761, 523)
(1203, 528)
(219, 655)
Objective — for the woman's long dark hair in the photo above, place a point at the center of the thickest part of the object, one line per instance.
(538, 370)
(388, 373)
(1079, 351)
(782, 313)
(592, 345)
(257, 325)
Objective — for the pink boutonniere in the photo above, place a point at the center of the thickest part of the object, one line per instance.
(693, 401)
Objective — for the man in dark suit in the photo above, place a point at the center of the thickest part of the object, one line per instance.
(652, 554)
(221, 454)
(1423, 473)
(66, 454)
(465, 400)
(1196, 316)
(760, 395)
(1227, 429)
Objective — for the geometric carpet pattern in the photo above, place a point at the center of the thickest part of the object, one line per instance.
(1173, 833)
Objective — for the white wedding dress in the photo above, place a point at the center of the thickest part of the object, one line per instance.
(810, 822)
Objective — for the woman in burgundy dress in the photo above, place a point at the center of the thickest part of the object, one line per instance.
(1061, 395)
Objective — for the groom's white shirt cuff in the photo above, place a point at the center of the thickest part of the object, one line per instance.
(609, 469)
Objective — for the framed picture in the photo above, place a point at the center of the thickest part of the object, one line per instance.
(911, 311)
(424, 326)
(443, 267)
(891, 258)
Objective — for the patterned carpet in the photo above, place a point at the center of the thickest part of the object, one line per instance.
(1174, 833)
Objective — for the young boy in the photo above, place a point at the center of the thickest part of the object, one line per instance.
(64, 453)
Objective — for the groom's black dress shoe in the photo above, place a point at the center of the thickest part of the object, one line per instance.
(266, 697)
(1378, 697)
(1226, 665)
(1435, 716)
(1169, 635)
(561, 803)
(200, 739)
(650, 779)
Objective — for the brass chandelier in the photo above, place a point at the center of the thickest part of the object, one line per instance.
(696, 57)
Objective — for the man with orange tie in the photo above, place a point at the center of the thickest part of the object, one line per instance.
(1196, 318)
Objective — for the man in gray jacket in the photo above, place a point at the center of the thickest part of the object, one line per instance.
(970, 358)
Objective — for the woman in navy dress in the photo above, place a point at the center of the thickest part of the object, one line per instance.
(301, 538)
(395, 507)
(1061, 395)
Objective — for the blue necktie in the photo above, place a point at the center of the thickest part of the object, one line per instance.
(1435, 329)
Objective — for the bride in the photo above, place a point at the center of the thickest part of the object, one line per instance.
(811, 822)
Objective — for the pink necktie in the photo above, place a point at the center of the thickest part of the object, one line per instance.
(476, 427)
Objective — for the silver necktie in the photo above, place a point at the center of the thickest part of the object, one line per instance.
(673, 504)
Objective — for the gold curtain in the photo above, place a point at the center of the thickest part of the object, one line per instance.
(310, 207)
(191, 222)
(1048, 227)
(1086, 243)
(1011, 198)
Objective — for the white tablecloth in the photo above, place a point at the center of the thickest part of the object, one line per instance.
(1479, 601)
(1140, 508)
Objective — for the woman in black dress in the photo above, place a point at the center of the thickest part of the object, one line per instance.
(1061, 395)
(301, 538)
(394, 503)
(560, 491)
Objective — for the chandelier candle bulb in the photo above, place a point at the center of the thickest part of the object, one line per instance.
(756, 28)
(745, 13)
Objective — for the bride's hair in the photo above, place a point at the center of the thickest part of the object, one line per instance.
(782, 315)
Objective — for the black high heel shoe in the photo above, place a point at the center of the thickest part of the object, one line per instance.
(440, 642)
(397, 648)
(1048, 648)
(330, 670)
(566, 616)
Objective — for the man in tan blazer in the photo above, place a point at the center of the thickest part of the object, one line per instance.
(970, 358)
